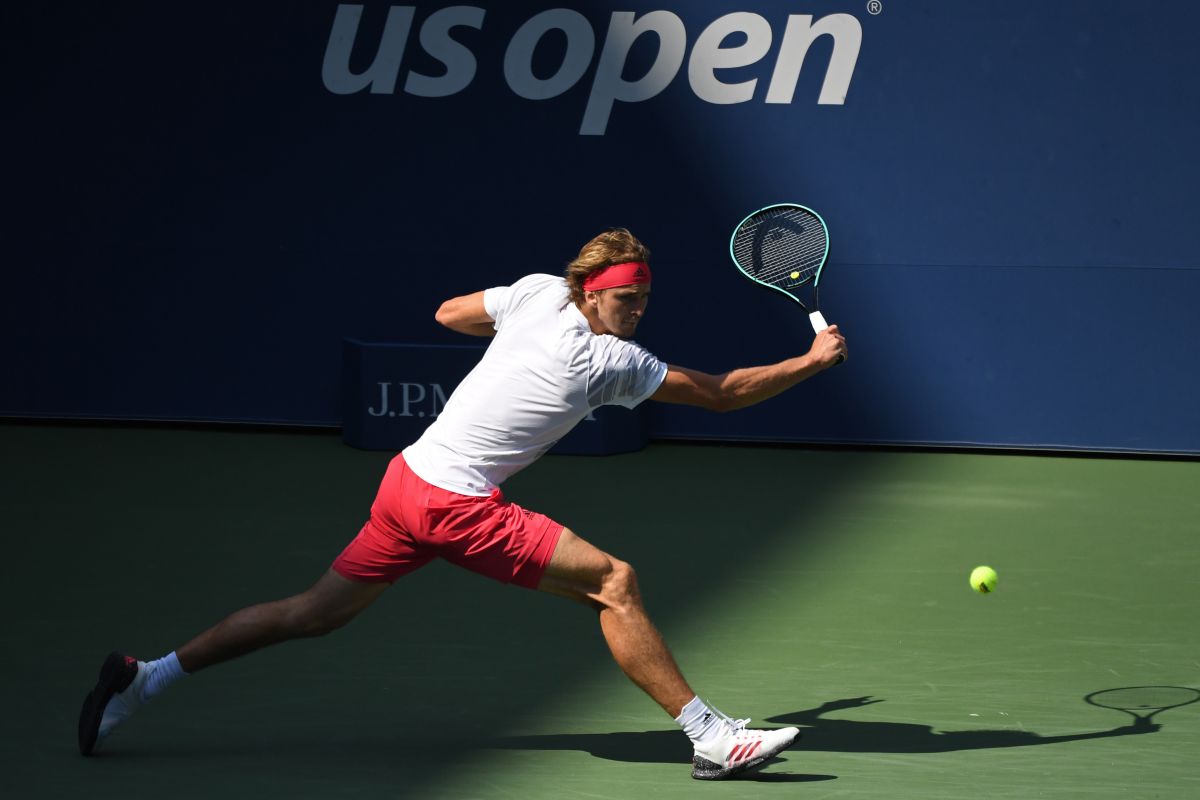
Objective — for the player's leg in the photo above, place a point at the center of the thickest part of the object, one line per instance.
(582, 572)
(328, 605)
(125, 684)
(382, 552)
(723, 747)
(503, 541)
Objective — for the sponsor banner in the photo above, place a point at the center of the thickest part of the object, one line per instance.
(392, 392)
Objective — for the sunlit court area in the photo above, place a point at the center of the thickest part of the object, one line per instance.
(669, 400)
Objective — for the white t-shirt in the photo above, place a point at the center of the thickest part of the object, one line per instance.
(543, 372)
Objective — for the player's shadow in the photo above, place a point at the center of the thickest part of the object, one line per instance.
(857, 736)
(817, 734)
(642, 747)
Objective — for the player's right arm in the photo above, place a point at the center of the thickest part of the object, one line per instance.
(747, 386)
(466, 314)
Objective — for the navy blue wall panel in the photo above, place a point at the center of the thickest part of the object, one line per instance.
(200, 209)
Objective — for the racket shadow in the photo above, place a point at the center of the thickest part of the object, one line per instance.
(866, 736)
(1143, 703)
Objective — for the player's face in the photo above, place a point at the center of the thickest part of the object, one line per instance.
(620, 309)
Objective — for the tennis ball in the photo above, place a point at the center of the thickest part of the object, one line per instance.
(983, 579)
(795, 275)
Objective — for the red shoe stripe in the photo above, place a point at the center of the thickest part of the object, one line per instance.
(743, 751)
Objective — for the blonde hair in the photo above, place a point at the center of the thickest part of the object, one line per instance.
(614, 246)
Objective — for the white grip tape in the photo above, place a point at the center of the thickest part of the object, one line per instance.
(818, 322)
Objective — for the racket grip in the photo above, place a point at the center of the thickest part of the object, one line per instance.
(819, 324)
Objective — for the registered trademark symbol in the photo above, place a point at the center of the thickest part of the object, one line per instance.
(875, 7)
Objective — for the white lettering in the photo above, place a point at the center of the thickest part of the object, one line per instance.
(439, 398)
(518, 66)
(609, 85)
(708, 56)
(381, 75)
(413, 393)
(383, 405)
(797, 37)
(460, 62)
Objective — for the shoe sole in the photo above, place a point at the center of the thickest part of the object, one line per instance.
(116, 673)
(705, 770)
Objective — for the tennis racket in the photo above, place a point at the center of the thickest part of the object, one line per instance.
(784, 247)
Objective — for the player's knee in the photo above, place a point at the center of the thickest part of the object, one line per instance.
(621, 586)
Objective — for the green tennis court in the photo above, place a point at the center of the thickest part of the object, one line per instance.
(825, 589)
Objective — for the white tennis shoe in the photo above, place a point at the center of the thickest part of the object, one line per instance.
(737, 749)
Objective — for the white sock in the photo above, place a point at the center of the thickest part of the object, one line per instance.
(160, 674)
(699, 721)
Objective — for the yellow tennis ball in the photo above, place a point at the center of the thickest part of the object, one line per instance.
(983, 580)
(795, 275)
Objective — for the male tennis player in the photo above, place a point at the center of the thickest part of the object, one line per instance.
(562, 347)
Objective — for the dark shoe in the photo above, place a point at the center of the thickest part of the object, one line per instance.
(116, 674)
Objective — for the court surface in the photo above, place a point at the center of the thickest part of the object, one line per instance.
(825, 589)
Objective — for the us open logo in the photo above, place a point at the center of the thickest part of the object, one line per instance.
(709, 55)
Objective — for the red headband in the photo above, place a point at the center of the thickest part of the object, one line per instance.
(626, 274)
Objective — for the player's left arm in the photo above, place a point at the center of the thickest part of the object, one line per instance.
(467, 315)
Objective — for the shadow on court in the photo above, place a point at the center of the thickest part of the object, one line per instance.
(818, 734)
(404, 755)
(650, 747)
(419, 690)
(855, 736)
(256, 516)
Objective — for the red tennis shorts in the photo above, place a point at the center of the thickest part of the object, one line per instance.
(413, 522)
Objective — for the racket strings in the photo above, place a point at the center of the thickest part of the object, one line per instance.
(782, 248)
(791, 255)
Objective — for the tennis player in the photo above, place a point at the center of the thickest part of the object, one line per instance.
(562, 347)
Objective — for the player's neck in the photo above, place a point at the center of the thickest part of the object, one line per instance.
(593, 319)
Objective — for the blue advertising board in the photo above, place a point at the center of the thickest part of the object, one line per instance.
(207, 201)
(392, 392)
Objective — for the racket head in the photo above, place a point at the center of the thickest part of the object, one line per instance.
(781, 246)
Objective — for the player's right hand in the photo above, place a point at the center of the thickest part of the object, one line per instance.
(829, 347)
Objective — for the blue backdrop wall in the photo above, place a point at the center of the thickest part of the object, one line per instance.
(203, 201)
